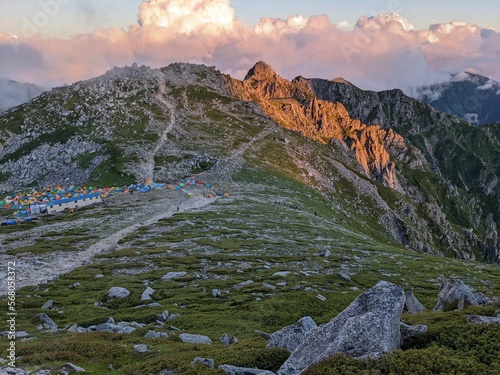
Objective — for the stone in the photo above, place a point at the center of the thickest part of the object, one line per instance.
(172, 317)
(449, 293)
(146, 295)
(141, 348)
(126, 330)
(479, 319)
(163, 316)
(203, 361)
(292, 336)
(47, 322)
(226, 340)
(216, 293)
(325, 253)
(268, 286)
(321, 297)
(48, 305)
(234, 370)
(195, 339)
(173, 275)
(155, 335)
(118, 292)
(345, 276)
(481, 299)
(412, 304)
(74, 368)
(282, 273)
(408, 331)
(368, 327)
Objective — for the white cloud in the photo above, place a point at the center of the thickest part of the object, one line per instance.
(187, 16)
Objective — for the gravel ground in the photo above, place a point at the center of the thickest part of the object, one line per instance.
(134, 211)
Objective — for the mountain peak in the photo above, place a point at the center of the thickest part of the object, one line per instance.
(261, 71)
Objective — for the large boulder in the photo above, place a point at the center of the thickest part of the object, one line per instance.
(459, 293)
(292, 336)
(368, 327)
(413, 305)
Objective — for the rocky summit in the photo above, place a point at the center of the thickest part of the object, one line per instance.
(252, 226)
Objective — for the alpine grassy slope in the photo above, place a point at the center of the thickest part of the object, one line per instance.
(380, 180)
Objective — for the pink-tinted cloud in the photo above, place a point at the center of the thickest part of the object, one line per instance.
(382, 52)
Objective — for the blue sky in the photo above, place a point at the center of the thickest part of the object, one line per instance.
(83, 16)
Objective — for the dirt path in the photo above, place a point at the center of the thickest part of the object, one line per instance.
(42, 269)
(243, 148)
(168, 107)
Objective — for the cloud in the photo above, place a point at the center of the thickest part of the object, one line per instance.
(188, 16)
(13, 93)
(380, 52)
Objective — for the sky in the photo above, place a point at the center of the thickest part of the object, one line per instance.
(376, 44)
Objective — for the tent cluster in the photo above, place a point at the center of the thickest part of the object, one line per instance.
(30, 202)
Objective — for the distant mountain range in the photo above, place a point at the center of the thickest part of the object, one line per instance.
(466, 95)
(13, 93)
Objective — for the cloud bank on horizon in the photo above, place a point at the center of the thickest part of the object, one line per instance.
(382, 52)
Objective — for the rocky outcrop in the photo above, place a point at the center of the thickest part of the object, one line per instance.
(459, 293)
(293, 105)
(412, 304)
(368, 327)
(291, 337)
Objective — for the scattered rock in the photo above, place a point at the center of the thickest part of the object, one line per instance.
(320, 297)
(146, 295)
(325, 253)
(74, 368)
(216, 293)
(155, 335)
(117, 292)
(173, 275)
(345, 277)
(244, 283)
(479, 319)
(226, 340)
(234, 370)
(48, 305)
(292, 336)
(412, 304)
(368, 327)
(172, 317)
(204, 361)
(141, 348)
(460, 292)
(195, 339)
(47, 322)
(99, 275)
(408, 331)
(282, 273)
(163, 316)
(268, 286)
